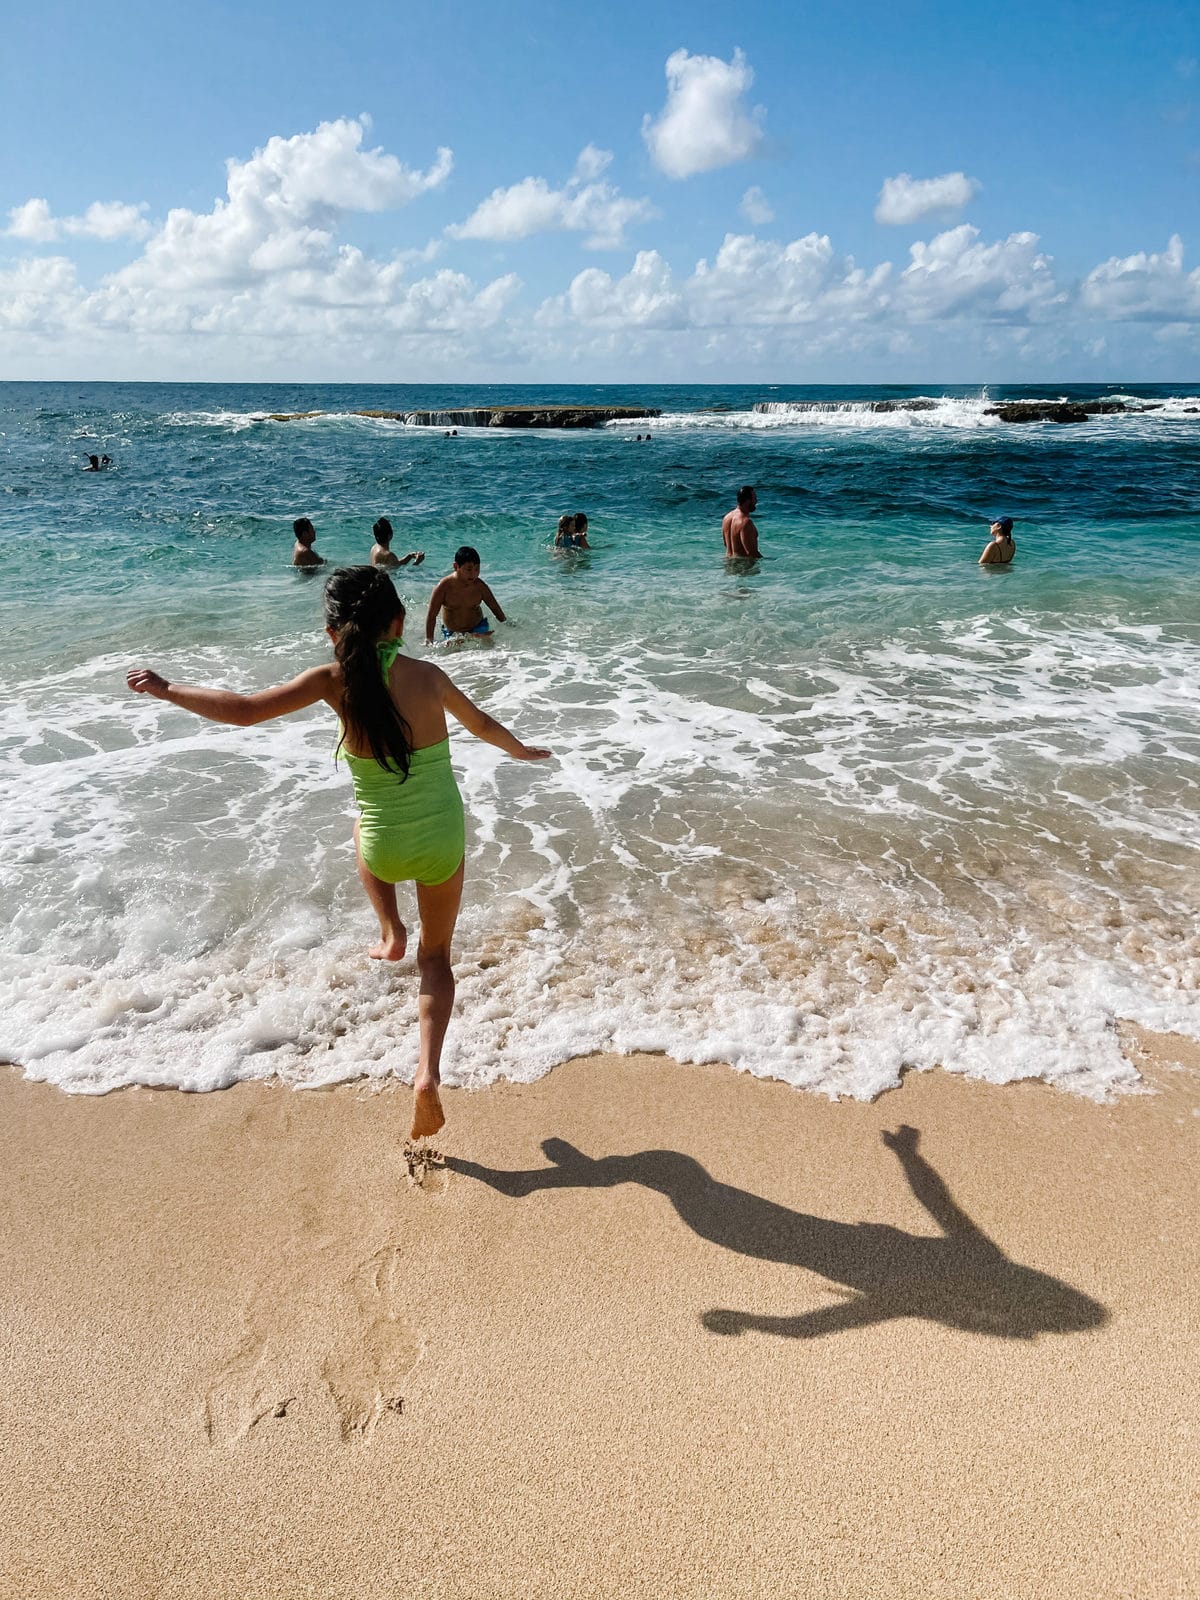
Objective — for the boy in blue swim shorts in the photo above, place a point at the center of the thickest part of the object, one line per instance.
(461, 597)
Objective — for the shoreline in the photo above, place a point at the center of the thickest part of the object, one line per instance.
(652, 1330)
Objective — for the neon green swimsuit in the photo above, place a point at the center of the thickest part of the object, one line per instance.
(409, 828)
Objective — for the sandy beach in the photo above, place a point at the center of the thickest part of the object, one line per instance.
(652, 1330)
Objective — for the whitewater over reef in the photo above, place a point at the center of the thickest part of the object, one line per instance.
(861, 807)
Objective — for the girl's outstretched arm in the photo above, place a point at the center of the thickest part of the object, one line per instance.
(477, 721)
(240, 710)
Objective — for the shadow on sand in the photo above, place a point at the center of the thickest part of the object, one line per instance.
(960, 1278)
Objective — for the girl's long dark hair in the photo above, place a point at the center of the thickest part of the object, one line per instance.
(361, 604)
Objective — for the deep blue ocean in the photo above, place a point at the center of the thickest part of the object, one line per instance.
(864, 805)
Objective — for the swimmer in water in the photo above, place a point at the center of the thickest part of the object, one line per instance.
(381, 551)
(1001, 547)
(303, 554)
(460, 597)
(564, 538)
(393, 713)
(738, 530)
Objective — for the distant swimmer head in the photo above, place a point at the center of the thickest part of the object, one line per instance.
(747, 499)
(304, 531)
(580, 522)
(467, 556)
(93, 464)
(1005, 524)
(383, 532)
(566, 527)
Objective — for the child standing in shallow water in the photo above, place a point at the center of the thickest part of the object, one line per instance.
(393, 712)
(461, 597)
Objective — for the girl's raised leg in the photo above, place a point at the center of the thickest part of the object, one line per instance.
(438, 907)
(393, 934)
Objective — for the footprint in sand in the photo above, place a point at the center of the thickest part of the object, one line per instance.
(426, 1168)
(244, 1392)
(366, 1377)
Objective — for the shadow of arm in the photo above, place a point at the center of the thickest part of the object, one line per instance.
(514, 1184)
(571, 1170)
(858, 1312)
(931, 1190)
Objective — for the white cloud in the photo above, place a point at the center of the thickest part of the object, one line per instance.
(329, 170)
(262, 271)
(754, 283)
(585, 204)
(755, 206)
(591, 163)
(261, 285)
(282, 208)
(1144, 288)
(905, 199)
(704, 124)
(38, 296)
(32, 221)
(108, 220)
(104, 219)
(644, 297)
(755, 280)
(750, 282)
(953, 275)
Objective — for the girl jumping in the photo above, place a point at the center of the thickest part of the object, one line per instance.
(394, 740)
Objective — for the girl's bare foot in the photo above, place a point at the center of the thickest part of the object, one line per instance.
(428, 1115)
(391, 948)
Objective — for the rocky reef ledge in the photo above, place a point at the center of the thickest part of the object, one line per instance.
(497, 416)
(1062, 410)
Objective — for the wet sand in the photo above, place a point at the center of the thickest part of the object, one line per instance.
(651, 1330)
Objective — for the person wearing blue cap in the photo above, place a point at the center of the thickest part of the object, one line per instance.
(1002, 547)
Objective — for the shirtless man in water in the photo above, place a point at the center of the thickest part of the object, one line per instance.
(738, 530)
(461, 597)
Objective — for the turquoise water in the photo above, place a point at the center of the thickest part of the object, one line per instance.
(864, 806)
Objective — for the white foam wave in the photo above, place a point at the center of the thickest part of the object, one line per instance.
(915, 413)
(895, 854)
(844, 416)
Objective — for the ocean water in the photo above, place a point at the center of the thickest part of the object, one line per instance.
(867, 806)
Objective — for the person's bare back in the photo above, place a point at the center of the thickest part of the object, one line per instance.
(382, 554)
(303, 554)
(738, 530)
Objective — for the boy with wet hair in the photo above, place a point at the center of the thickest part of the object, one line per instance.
(303, 554)
(461, 597)
(382, 554)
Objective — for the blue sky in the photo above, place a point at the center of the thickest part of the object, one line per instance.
(877, 192)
